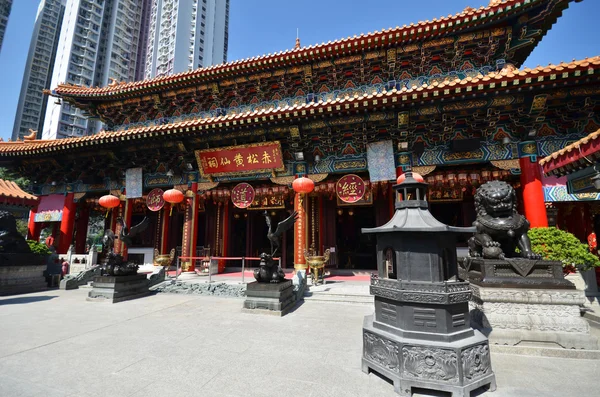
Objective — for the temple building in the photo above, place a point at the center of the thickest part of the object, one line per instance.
(447, 98)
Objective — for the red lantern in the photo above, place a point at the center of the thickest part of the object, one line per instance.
(417, 177)
(462, 179)
(109, 201)
(486, 175)
(173, 196)
(451, 179)
(303, 185)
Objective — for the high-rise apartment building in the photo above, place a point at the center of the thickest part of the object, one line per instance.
(5, 6)
(98, 45)
(38, 69)
(185, 35)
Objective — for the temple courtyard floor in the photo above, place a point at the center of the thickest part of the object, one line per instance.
(55, 343)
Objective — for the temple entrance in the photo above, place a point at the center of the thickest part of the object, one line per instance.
(356, 250)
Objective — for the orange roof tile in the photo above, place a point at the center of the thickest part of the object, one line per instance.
(11, 193)
(493, 80)
(465, 19)
(568, 158)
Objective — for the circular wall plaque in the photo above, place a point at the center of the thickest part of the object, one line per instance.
(155, 200)
(350, 188)
(242, 195)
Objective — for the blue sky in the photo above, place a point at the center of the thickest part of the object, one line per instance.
(259, 27)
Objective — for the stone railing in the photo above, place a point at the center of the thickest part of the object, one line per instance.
(79, 262)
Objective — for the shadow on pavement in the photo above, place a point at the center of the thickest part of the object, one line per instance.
(25, 299)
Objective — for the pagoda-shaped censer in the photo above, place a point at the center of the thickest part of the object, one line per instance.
(420, 335)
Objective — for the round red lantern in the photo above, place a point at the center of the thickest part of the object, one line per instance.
(417, 177)
(173, 196)
(303, 185)
(109, 201)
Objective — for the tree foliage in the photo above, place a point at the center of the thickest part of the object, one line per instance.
(557, 245)
(38, 248)
(8, 175)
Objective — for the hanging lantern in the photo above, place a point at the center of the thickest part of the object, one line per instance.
(463, 179)
(486, 176)
(417, 177)
(439, 179)
(451, 179)
(173, 196)
(475, 179)
(109, 201)
(496, 175)
(303, 185)
(431, 180)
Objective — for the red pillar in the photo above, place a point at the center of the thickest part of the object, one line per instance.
(127, 213)
(81, 229)
(66, 225)
(190, 230)
(300, 232)
(34, 228)
(531, 182)
(226, 222)
(164, 231)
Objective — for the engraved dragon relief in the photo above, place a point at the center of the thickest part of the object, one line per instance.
(430, 363)
(381, 351)
(476, 362)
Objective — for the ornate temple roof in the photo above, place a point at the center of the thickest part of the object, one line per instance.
(578, 155)
(492, 82)
(464, 21)
(11, 194)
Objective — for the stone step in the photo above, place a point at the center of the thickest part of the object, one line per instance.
(342, 298)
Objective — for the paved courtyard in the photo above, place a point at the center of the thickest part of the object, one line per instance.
(56, 344)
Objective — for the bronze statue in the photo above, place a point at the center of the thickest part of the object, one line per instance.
(500, 228)
(282, 227)
(114, 265)
(269, 271)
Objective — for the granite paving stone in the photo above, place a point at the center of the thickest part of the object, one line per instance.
(57, 344)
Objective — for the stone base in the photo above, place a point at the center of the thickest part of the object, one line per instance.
(116, 289)
(531, 317)
(22, 279)
(277, 297)
(513, 273)
(455, 367)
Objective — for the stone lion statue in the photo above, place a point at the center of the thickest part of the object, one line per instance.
(500, 229)
(11, 241)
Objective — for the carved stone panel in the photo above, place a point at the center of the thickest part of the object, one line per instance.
(476, 362)
(381, 351)
(430, 364)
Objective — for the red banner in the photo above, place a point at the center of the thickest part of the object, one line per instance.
(350, 188)
(254, 158)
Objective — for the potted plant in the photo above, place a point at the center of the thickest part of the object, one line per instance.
(558, 245)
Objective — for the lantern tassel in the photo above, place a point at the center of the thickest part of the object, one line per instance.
(171, 211)
(107, 210)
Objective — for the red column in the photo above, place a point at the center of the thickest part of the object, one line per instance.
(117, 212)
(190, 230)
(226, 222)
(127, 213)
(164, 231)
(81, 229)
(531, 182)
(34, 228)
(66, 225)
(300, 232)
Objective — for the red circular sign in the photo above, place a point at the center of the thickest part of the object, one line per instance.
(155, 200)
(242, 195)
(350, 188)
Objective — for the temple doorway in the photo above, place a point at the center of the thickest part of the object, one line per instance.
(356, 250)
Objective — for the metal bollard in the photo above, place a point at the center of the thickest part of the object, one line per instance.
(243, 265)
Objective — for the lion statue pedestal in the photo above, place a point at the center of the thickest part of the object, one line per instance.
(517, 296)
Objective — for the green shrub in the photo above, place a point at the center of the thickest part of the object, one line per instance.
(38, 248)
(557, 245)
